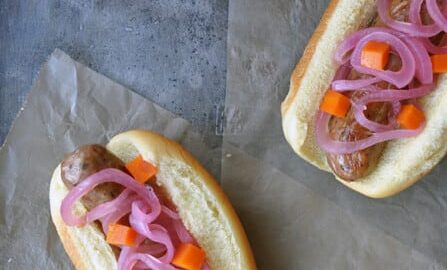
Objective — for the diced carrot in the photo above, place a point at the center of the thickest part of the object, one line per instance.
(410, 117)
(189, 257)
(141, 170)
(439, 63)
(375, 55)
(120, 235)
(335, 103)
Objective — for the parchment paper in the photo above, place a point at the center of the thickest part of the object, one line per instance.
(296, 217)
(303, 217)
(69, 105)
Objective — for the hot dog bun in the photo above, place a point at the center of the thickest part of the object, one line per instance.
(404, 161)
(201, 203)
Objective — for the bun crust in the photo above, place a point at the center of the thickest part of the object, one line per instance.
(201, 203)
(404, 161)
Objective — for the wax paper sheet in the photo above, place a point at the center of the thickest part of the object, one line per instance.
(69, 105)
(288, 228)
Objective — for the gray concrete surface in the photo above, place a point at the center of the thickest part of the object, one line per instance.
(172, 52)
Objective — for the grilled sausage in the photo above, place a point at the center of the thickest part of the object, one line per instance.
(359, 164)
(85, 161)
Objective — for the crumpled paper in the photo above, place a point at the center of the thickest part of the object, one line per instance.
(69, 105)
(296, 215)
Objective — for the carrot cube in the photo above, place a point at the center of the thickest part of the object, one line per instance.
(439, 63)
(375, 55)
(335, 103)
(189, 257)
(121, 235)
(410, 117)
(141, 170)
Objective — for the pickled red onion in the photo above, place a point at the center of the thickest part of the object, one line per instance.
(108, 207)
(350, 42)
(119, 213)
(436, 14)
(398, 78)
(182, 233)
(371, 125)
(411, 28)
(424, 70)
(152, 249)
(410, 40)
(342, 72)
(349, 85)
(147, 260)
(144, 208)
(106, 175)
(169, 212)
(433, 48)
(157, 233)
(386, 96)
(396, 95)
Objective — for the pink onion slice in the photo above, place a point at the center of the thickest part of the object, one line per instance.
(416, 18)
(106, 175)
(386, 96)
(371, 88)
(108, 207)
(424, 70)
(430, 47)
(395, 110)
(412, 29)
(170, 213)
(154, 232)
(115, 216)
(436, 14)
(149, 261)
(126, 251)
(398, 78)
(351, 41)
(342, 72)
(395, 95)
(143, 212)
(349, 85)
(414, 14)
(124, 254)
(374, 126)
(371, 125)
(337, 147)
(182, 233)
(153, 249)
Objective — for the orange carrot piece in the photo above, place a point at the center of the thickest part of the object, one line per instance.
(120, 235)
(189, 257)
(375, 55)
(141, 170)
(335, 103)
(410, 117)
(439, 63)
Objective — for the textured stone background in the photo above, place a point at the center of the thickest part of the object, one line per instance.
(172, 52)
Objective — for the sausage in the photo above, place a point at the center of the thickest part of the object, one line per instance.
(85, 161)
(351, 167)
(358, 164)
